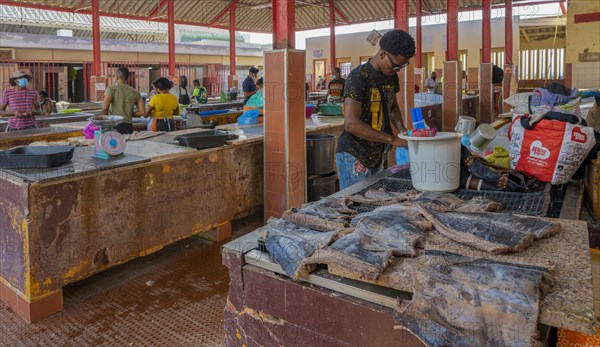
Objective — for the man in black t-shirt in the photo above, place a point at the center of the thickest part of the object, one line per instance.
(370, 109)
(336, 86)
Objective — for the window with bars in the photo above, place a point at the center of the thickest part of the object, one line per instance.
(462, 57)
(542, 64)
(345, 68)
(498, 56)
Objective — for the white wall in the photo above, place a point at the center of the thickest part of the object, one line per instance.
(434, 40)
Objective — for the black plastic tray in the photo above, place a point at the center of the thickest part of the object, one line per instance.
(204, 139)
(35, 157)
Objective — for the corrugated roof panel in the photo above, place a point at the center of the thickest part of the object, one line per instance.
(256, 15)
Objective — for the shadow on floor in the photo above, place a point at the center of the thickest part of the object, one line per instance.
(174, 297)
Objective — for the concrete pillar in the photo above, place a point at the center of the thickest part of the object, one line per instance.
(452, 103)
(486, 94)
(232, 79)
(284, 24)
(171, 34)
(486, 26)
(332, 57)
(452, 72)
(285, 131)
(508, 32)
(97, 63)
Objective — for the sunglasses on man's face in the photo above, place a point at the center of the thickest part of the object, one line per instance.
(396, 67)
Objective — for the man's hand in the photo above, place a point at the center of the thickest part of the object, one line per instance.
(397, 142)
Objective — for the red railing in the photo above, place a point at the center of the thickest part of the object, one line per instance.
(69, 80)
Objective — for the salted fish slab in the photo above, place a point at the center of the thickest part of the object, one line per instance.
(462, 301)
(491, 232)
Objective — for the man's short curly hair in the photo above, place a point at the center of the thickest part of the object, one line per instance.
(398, 42)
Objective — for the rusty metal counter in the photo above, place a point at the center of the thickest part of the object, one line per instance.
(266, 307)
(61, 230)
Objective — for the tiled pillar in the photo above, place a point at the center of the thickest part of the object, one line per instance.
(452, 102)
(31, 311)
(506, 86)
(406, 101)
(97, 88)
(285, 131)
(486, 94)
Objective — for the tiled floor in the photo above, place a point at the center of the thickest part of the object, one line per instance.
(174, 297)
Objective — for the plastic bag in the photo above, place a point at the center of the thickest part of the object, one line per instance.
(552, 151)
(249, 117)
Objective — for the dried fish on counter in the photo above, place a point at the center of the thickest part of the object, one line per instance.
(332, 209)
(379, 236)
(311, 222)
(290, 245)
(462, 301)
(381, 197)
(491, 232)
(443, 202)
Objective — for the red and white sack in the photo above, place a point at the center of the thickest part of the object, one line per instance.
(552, 151)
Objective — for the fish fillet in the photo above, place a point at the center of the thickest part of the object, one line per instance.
(290, 245)
(312, 222)
(379, 236)
(332, 209)
(491, 232)
(462, 301)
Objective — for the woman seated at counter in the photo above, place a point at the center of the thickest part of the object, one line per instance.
(120, 100)
(19, 104)
(162, 107)
(45, 103)
(257, 100)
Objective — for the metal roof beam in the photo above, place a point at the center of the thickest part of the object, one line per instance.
(342, 15)
(104, 14)
(223, 13)
(524, 32)
(158, 7)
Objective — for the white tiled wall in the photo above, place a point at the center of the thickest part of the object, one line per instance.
(586, 75)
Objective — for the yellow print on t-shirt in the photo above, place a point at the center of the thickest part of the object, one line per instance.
(376, 111)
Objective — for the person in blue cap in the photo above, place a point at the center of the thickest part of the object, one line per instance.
(249, 85)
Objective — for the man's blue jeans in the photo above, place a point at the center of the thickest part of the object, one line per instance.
(350, 171)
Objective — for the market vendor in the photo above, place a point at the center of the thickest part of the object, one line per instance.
(335, 90)
(371, 109)
(257, 100)
(19, 104)
(120, 99)
(45, 103)
(162, 107)
(249, 84)
(200, 94)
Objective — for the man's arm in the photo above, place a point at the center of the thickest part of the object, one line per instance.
(249, 94)
(140, 111)
(36, 108)
(396, 116)
(107, 101)
(355, 126)
(4, 113)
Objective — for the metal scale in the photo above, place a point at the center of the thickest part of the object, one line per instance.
(108, 144)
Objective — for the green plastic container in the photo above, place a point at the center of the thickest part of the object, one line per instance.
(335, 109)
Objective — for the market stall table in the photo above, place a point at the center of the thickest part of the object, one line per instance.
(265, 306)
(70, 222)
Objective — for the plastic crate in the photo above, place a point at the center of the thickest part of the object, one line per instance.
(532, 203)
(331, 109)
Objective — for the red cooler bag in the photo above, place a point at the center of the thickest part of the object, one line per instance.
(552, 149)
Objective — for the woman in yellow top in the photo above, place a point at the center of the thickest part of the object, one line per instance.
(162, 107)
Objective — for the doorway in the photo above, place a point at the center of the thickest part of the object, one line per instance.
(319, 68)
(428, 63)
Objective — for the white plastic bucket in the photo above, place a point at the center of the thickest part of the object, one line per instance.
(435, 162)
